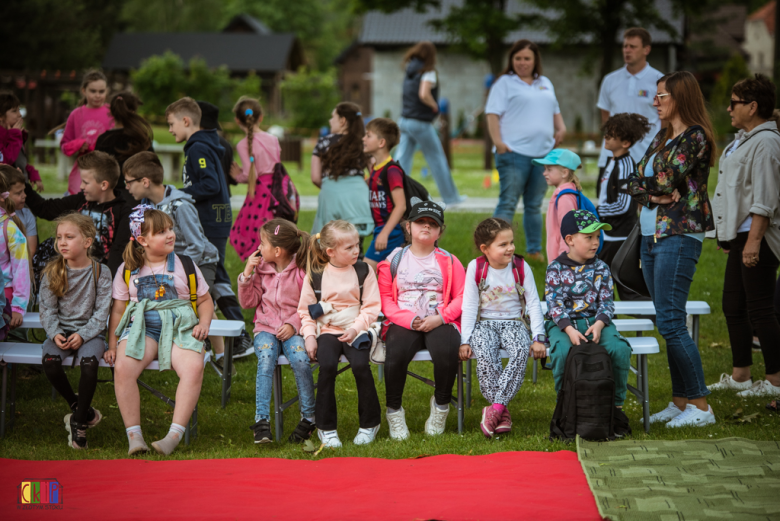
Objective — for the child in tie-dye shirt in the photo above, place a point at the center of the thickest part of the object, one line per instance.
(14, 259)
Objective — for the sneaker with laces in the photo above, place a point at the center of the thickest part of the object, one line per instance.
(504, 422)
(366, 436)
(302, 432)
(727, 382)
(760, 388)
(668, 414)
(692, 416)
(329, 438)
(490, 419)
(96, 417)
(437, 420)
(77, 434)
(262, 431)
(243, 346)
(397, 423)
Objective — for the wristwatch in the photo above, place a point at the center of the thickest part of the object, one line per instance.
(542, 339)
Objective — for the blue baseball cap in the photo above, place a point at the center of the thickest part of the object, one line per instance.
(560, 157)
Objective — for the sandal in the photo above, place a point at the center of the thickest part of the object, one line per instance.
(772, 406)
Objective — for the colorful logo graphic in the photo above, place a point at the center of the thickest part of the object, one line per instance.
(542, 87)
(644, 93)
(42, 492)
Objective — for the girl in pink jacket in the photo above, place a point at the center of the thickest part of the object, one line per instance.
(422, 292)
(271, 283)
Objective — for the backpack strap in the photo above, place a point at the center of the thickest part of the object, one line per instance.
(575, 193)
(361, 268)
(518, 269)
(96, 274)
(396, 261)
(316, 284)
(192, 280)
(126, 276)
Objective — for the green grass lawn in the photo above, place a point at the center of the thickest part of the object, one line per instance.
(39, 432)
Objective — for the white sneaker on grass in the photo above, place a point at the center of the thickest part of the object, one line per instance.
(668, 414)
(692, 416)
(437, 420)
(760, 388)
(727, 382)
(366, 436)
(329, 438)
(397, 423)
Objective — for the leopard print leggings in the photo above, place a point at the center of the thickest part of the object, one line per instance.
(500, 384)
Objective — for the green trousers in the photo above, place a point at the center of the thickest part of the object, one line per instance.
(618, 348)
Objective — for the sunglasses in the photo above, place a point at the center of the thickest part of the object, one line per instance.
(659, 97)
(737, 102)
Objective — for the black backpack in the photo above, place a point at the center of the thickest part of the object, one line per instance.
(586, 401)
(412, 187)
(361, 268)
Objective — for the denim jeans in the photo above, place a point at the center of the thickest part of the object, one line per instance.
(519, 177)
(668, 267)
(415, 132)
(267, 349)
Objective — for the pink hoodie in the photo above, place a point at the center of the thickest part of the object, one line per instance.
(84, 125)
(275, 295)
(555, 243)
(453, 280)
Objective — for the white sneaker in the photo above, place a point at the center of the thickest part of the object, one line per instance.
(329, 438)
(366, 436)
(692, 416)
(436, 422)
(397, 423)
(760, 388)
(727, 382)
(670, 413)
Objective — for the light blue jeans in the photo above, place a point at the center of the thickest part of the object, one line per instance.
(416, 133)
(519, 177)
(267, 349)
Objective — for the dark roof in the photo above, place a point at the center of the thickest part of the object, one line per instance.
(243, 23)
(239, 52)
(407, 26)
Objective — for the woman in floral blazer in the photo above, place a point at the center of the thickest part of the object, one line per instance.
(671, 186)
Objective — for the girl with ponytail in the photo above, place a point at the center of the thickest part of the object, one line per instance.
(14, 255)
(259, 152)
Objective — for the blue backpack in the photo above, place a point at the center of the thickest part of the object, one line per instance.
(583, 203)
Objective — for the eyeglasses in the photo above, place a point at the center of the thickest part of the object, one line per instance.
(737, 101)
(128, 182)
(659, 96)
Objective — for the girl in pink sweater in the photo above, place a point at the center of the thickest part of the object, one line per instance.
(339, 302)
(86, 123)
(271, 283)
(559, 171)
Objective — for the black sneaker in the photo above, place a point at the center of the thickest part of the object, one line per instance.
(77, 434)
(243, 346)
(622, 426)
(302, 432)
(262, 430)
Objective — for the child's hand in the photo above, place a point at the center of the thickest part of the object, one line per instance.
(348, 336)
(416, 323)
(74, 341)
(16, 320)
(538, 350)
(60, 341)
(311, 348)
(380, 243)
(84, 147)
(39, 186)
(19, 125)
(464, 353)
(430, 323)
(252, 262)
(235, 171)
(595, 330)
(285, 332)
(200, 332)
(110, 356)
(575, 336)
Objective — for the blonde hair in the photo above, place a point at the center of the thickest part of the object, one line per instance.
(571, 178)
(55, 271)
(185, 107)
(7, 172)
(155, 222)
(246, 104)
(330, 237)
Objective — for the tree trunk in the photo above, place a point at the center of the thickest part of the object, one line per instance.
(608, 35)
(776, 69)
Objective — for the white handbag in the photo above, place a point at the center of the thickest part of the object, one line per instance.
(378, 351)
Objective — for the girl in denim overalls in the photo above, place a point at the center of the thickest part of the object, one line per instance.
(158, 322)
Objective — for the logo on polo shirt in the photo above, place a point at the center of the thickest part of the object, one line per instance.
(542, 87)
(644, 93)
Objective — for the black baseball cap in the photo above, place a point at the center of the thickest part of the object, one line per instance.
(426, 209)
(581, 221)
(209, 117)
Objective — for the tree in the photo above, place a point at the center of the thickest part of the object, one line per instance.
(310, 96)
(735, 69)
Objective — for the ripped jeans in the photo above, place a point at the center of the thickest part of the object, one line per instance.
(268, 348)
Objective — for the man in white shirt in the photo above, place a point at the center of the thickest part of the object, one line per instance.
(631, 89)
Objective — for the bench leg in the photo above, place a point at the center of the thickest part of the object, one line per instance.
(468, 382)
(695, 335)
(380, 371)
(191, 431)
(536, 369)
(460, 397)
(227, 373)
(3, 400)
(642, 363)
(278, 410)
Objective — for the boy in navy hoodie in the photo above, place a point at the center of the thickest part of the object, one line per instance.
(204, 180)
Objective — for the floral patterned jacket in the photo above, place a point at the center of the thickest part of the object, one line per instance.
(575, 291)
(683, 164)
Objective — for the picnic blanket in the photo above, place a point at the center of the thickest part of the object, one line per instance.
(730, 478)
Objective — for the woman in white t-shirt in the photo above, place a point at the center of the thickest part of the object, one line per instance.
(420, 108)
(525, 123)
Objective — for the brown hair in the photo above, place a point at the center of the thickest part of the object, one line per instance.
(138, 131)
(386, 129)
(155, 222)
(5, 185)
(90, 76)
(283, 234)
(8, 101)
(759, 89)
(13, 176)
(626, 127)
(185, 107)
(638, 32)
(518, 46)
(425, 52)
(103, 165)
(249, 112)
(55, 271)
(145, 164)
(346, 153)
(329, 237)
(487, 230)
(689, 106)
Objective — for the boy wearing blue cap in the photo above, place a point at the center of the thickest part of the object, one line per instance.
(579, 295)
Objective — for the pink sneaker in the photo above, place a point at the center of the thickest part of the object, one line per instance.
(490, 418)
(505, 422)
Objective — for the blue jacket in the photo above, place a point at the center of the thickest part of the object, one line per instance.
(205, 181)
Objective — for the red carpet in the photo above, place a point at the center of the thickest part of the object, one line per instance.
(503, 486)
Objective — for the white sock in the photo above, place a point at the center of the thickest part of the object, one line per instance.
(392, 411)
(177, 429)
(311, 419)
(219, 356)
(442, 407)
(133, 429)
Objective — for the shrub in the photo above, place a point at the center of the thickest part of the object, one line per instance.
(309, 97)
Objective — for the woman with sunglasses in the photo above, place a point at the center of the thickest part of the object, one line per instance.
(670, 185)
(746, 221)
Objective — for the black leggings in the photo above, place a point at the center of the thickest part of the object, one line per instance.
(402, 344)
(52, 366)
(749, 305)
